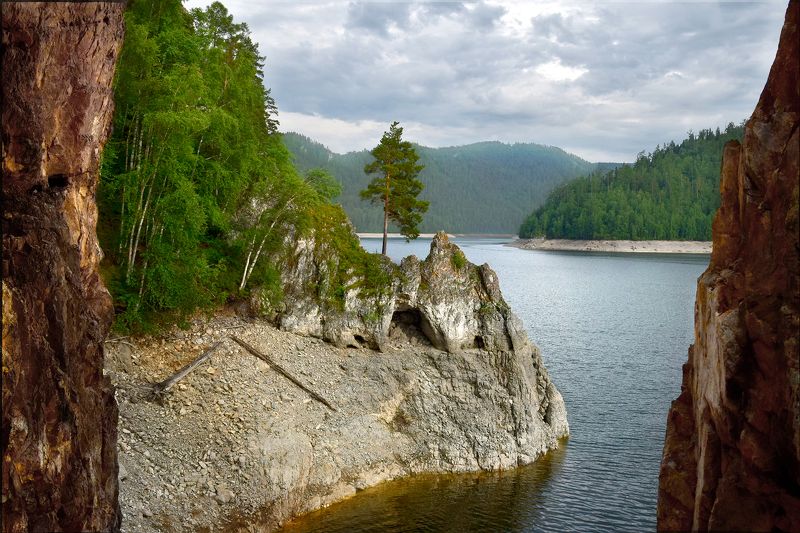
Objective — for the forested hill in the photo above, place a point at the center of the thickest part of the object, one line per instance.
(671, 194)
(197, 191)
(486, 187)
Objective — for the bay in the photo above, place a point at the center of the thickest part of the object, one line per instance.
(613, 330)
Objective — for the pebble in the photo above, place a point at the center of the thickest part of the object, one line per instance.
(224, 494)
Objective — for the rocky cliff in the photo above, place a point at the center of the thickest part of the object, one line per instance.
(59, 425)
(732, 452)
(443, 301)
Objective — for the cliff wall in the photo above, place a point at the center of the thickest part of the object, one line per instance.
(59, 422)
(731, 457)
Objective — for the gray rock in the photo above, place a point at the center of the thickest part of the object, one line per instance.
(445, 301)
(119, 356)
(224, 494)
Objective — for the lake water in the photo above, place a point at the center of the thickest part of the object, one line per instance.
(613, 330)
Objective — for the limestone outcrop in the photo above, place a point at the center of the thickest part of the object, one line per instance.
(453, 303)
(731, 457)
(443, 301)
(59, 422)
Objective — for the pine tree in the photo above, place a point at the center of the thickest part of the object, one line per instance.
(396, 185)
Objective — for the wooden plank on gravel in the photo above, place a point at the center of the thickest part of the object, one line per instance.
(162, 387)
(280, 370)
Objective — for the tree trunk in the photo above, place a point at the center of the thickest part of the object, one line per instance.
(282, 371)
(385, 224)
(385, 215)
(162, 387)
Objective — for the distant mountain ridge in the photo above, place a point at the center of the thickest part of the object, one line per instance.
(485, 187)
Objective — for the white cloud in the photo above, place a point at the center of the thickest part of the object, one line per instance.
(338, 135)
(555, 71)
(603, 80)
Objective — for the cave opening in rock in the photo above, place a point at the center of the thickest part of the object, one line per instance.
(479, 342)
(408, 325)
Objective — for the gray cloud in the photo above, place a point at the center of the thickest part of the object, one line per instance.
(378, 18)
(604, 80)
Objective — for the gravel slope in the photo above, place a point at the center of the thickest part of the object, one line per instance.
(237, 446)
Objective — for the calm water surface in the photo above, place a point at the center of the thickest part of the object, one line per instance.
(613, 330)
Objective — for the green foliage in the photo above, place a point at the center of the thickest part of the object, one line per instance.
(395, 185)
(270, 289)
(349, 265)
(671, 194)
(323, 183)
(458, 259)
(196, 184)
(487, 187)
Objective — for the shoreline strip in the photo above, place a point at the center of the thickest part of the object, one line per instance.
(611, 246)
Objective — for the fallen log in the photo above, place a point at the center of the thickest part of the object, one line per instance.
(280, 370)
(158, 389)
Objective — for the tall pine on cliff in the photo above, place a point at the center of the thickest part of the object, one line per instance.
(671, 194)
(197, 186)
(486, 187)
(395, 186)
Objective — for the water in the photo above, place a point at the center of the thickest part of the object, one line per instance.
(613, 330)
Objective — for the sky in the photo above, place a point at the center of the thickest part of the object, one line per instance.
(603, 80)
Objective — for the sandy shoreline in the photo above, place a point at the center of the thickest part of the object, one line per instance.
(651, 247)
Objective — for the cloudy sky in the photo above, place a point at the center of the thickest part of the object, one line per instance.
(603, 80)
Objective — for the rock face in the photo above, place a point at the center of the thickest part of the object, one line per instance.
(59, 415)
(732, 452)
(450, 304)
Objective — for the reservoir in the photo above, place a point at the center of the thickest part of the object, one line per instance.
(613, 330)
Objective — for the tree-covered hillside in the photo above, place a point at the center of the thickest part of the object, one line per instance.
(485, 187)
(196, 185)
(671, 194)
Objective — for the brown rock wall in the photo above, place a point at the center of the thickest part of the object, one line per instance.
(732, 452)
(59, 421)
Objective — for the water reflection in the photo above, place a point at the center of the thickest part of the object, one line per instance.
(494, 501)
